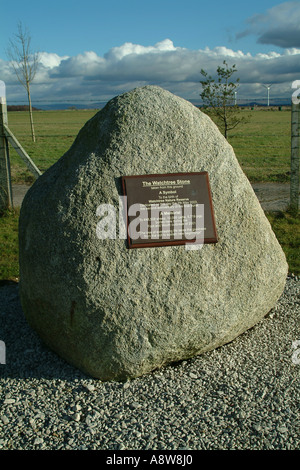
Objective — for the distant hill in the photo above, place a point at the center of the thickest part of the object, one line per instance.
(72, 106)
(20, 108)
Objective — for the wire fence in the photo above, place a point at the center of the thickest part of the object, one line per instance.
(262, 145)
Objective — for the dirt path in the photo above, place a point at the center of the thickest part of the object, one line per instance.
(19, 191)
(272, 196)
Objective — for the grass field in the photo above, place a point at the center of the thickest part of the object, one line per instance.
(55, 132)
(263, 144)
(262, 147)
(287, 230)
(9, 250)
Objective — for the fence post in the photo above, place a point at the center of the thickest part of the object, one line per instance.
(6, 200)
(2, 352)
(294, 184)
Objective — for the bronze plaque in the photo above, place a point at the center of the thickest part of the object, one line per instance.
(168, 209)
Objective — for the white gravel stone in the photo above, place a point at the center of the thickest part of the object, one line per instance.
(4, 419)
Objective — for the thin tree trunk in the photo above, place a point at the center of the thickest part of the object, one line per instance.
(30, 113)
(225, 121)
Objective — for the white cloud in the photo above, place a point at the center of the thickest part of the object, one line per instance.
(88, 76)
(50, 60)
(84, 64)
(222, 51)
(118, 53)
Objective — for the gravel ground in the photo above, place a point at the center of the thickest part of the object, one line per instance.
(244, 395)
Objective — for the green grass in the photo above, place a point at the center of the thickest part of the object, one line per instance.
(262, 145)
(9, 248)
(55, 132)
(285, 226)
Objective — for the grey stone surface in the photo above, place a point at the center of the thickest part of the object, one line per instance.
(116, 313)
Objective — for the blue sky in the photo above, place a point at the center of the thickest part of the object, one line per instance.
(97, 49)
(69, 28)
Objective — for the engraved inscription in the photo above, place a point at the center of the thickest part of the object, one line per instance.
(169, 209)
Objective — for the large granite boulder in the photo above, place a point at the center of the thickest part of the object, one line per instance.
(117, 313)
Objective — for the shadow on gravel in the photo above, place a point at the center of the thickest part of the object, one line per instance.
(26, 355)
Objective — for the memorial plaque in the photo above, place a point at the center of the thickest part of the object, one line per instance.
(168, 209)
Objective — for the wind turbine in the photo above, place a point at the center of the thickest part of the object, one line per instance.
(235, 95)
(268, 88)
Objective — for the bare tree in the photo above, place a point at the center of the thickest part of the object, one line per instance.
(219, 95)
(24, 62)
